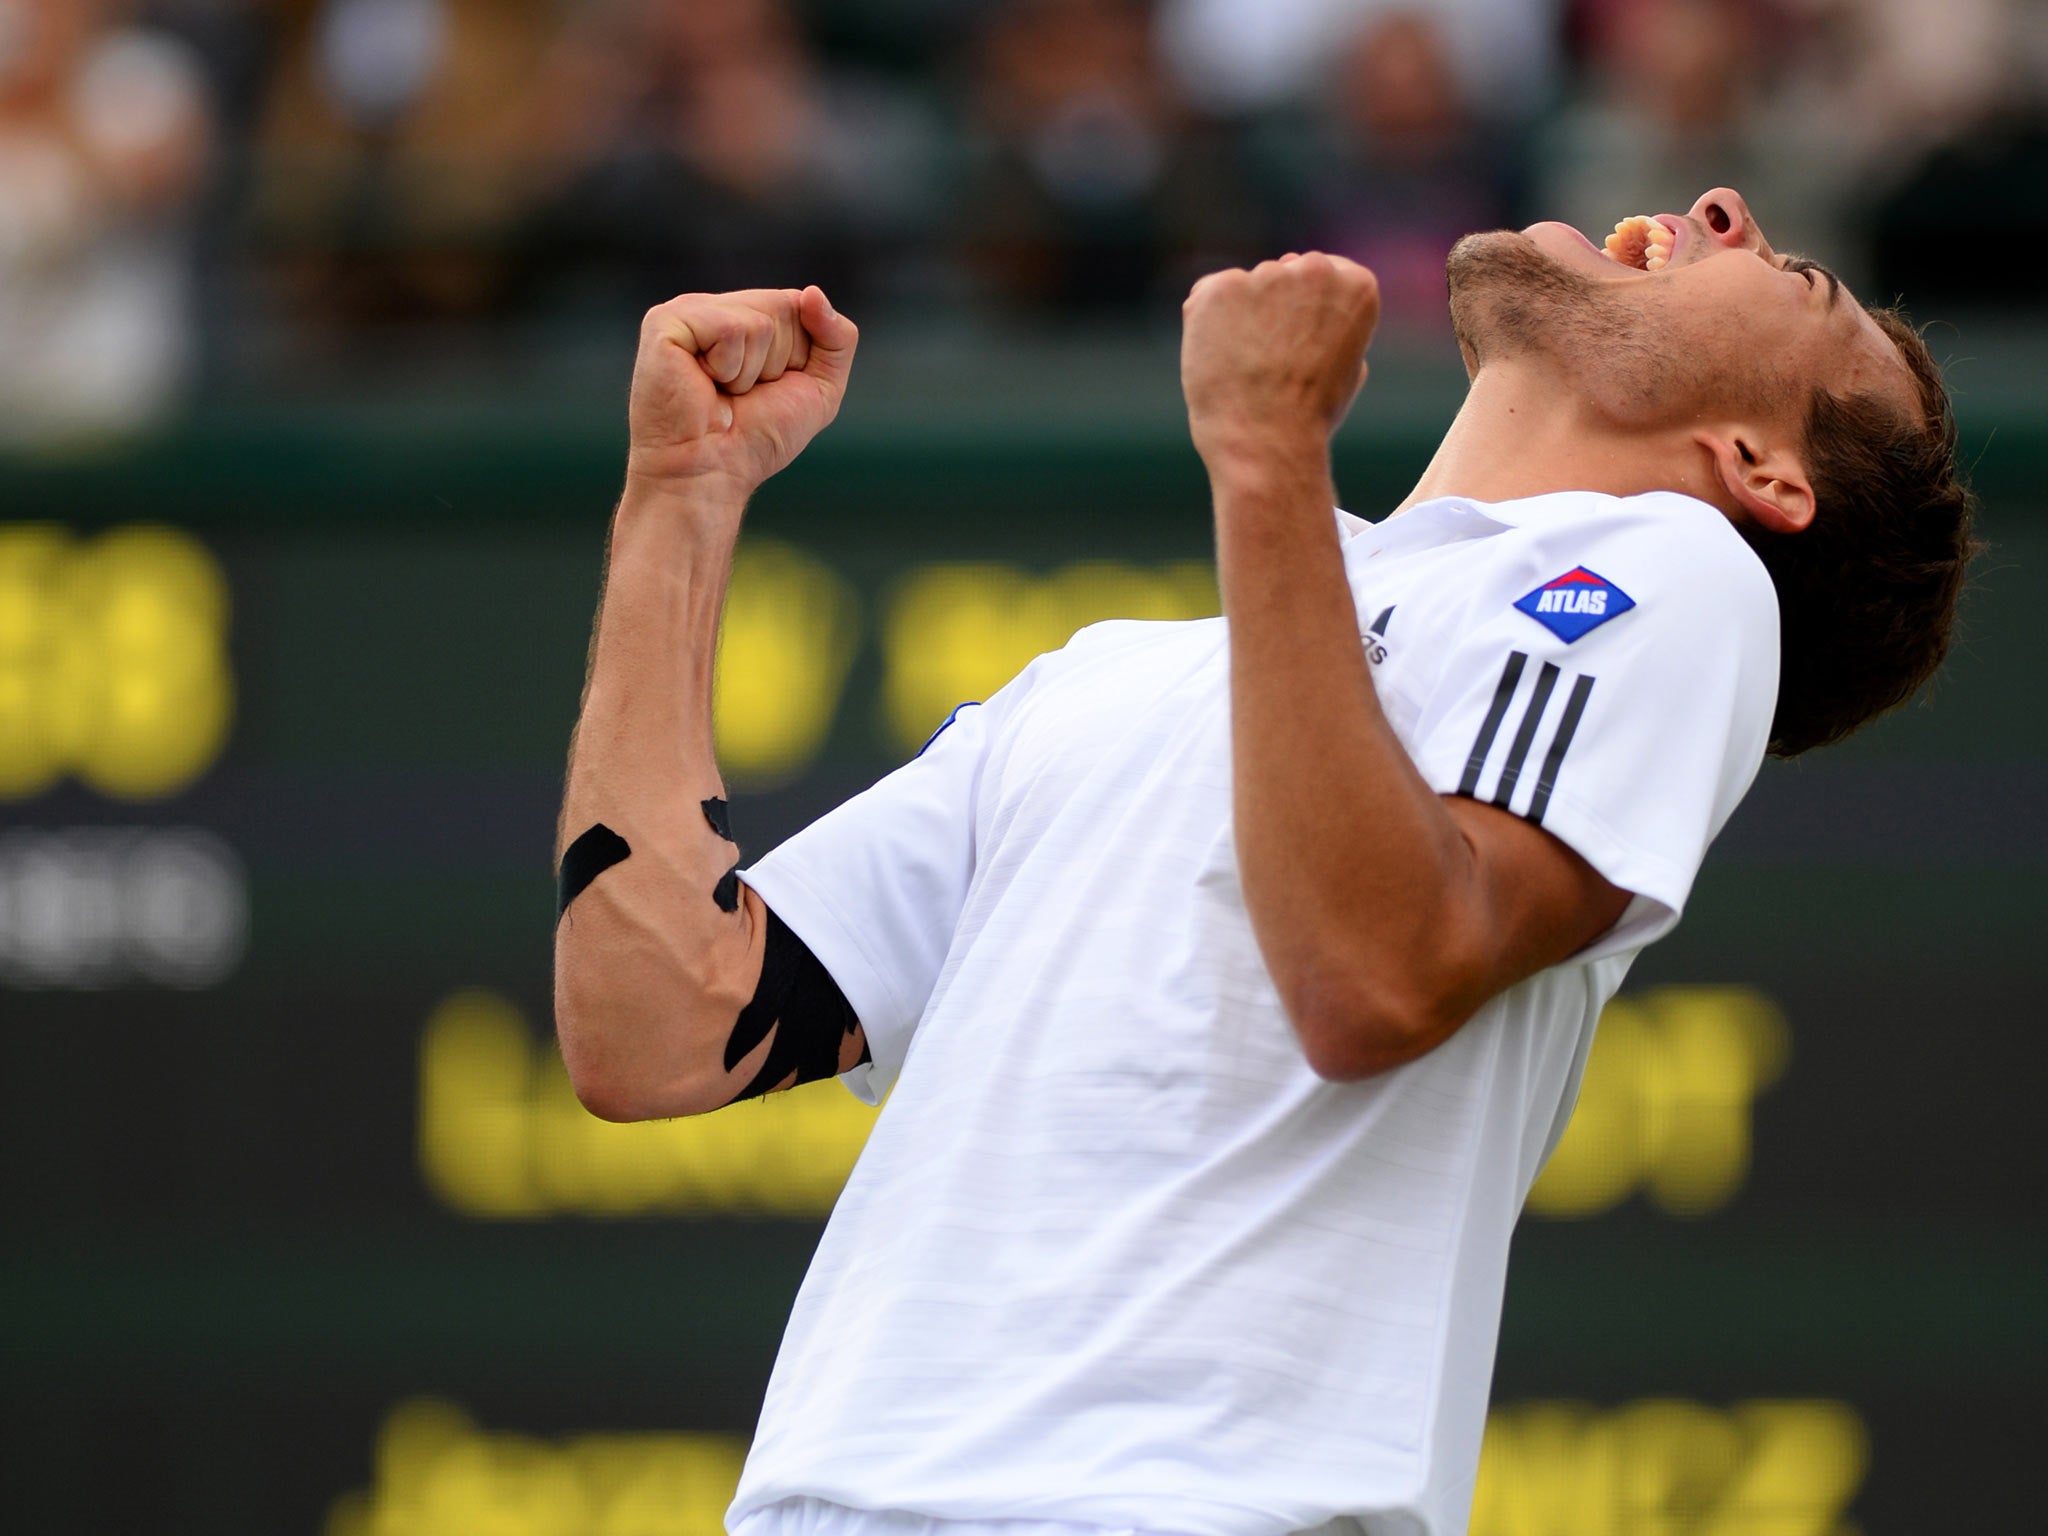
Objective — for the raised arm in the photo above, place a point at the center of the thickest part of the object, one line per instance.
(1386, 913)
(661, 1001)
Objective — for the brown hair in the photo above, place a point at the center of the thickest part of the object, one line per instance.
(1867, 591)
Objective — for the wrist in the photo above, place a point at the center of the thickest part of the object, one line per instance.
(710, 499)
(1260, 460)
(1271, 472)
(676, 524)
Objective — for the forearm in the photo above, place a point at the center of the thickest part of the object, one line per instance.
(650, 971)
(1386, 913)
(643, 733)
(1359, 884)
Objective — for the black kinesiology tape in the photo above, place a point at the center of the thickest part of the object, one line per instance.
(727, 892)
(596, 851)
(719, 815)
(802, 1004)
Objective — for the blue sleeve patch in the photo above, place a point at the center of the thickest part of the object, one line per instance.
(1575, 604)
(935, 735)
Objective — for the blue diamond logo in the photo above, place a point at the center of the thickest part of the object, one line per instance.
(1576, 604)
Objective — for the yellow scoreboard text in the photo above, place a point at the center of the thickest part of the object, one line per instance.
(1664, 1108)
(113, 660)
(950, 632)
(502, 1136)
(1661, 1467)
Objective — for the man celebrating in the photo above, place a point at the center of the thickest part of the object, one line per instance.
(1234, 978)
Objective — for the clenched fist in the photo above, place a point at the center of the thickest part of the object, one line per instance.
(1271, 359)
(731, 386)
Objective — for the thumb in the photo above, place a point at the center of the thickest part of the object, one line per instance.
(833, 338)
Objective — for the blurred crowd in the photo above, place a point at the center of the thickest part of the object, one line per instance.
(264, 187)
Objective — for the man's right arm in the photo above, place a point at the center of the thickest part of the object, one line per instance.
(659, 953)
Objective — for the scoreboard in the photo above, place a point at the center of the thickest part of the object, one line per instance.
(306, 1230)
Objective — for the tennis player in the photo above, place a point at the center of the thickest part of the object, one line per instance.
(1234, 978)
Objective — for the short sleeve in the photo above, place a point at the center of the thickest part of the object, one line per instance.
(1613, 682)
(876, 887)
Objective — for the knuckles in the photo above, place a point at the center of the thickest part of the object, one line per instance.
(1333, 277)
(1209, 284)
(753, 316)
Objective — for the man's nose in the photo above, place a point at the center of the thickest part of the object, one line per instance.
(1728, 220)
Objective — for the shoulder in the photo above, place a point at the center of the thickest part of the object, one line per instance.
(1110, 643)
(1108, 636)
(1096, 657)
(1679, 563)
(1667, 542)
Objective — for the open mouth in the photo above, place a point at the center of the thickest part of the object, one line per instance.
(1641, 242)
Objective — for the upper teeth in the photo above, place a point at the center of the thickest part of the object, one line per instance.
(1640, 241)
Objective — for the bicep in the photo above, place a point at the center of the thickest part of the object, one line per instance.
(1535, 901)
(798, 1026)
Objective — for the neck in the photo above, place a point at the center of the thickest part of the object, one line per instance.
(1519, 434)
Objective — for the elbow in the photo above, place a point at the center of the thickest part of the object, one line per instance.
(607, 1083)
(621, 1088)
(610, 1099)
(627, 1105)
(1362, 1028)
(604, 1089)
(633, 1047)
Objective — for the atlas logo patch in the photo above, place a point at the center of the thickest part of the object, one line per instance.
(1575, 604)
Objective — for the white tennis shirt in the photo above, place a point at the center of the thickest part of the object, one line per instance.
(1114, 1256)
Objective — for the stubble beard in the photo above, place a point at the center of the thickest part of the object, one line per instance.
(1510, 300)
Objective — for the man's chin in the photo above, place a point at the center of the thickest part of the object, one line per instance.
(1488, 241)
(1549, 244)
(1508, 256)
(1509, 288)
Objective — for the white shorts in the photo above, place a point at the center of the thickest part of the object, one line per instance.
(815, 1517)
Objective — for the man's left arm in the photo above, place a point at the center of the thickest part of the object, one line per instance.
(1387, 914)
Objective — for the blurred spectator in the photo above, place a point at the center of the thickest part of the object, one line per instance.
(104, 134)
(1680, 97)
(1093, 186)
(391, 156)
(365, 171)
(1247, 56)
(233, 40)
(691, 145)
(1902, 75)
(1951, 103)
(1396, 167)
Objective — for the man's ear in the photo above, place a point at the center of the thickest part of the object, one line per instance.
(1767, 480)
